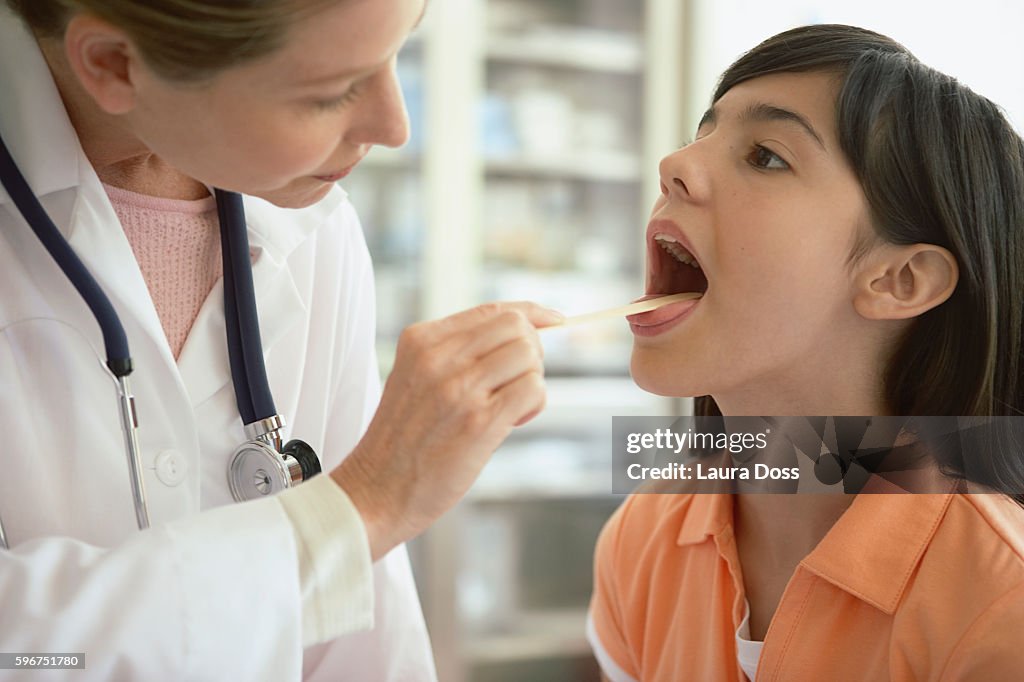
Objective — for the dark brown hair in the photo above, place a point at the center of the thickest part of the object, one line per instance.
(939, 164)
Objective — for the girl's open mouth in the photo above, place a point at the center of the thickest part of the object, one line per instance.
(673, 269)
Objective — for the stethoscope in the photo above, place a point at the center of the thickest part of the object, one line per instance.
(262, 465)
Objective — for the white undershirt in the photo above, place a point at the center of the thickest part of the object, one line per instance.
(748, 652)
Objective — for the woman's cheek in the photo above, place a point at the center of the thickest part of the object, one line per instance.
(286, 161)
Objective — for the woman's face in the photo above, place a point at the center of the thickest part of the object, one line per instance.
(288, 126)
(768, 206)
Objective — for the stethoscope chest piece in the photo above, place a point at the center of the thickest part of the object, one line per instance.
(261, 466)
(257, 470)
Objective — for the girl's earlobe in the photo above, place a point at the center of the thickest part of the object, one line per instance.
(902, 282)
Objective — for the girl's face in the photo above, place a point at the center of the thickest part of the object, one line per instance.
(287, 126)
(766, 203)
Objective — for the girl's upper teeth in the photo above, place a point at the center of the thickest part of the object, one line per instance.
(671, 245)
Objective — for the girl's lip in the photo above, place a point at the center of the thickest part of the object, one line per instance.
(656, 322)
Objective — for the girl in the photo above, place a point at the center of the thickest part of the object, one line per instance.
(122, 116)
(857, 220)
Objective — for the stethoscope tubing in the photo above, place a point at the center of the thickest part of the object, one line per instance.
(252, 388)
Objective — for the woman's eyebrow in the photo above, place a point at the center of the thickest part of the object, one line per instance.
(359, 71)
(761, 112)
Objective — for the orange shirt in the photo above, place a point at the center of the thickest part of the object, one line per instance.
(903, 587)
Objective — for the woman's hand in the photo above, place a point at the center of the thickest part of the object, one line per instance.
(458, 387)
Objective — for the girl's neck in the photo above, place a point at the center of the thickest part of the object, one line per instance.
(786, 528)
(845, 391)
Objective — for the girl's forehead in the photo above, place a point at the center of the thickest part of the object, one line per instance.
(809, 96)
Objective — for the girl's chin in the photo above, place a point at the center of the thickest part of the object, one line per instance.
(662, 378)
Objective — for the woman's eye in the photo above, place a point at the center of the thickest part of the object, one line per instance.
(766, 159)
(338, 102)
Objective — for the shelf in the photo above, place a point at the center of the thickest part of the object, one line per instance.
(596, 485)
(566, 50)
(596, 167)
(543, 634)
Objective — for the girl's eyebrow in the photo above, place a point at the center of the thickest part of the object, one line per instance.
(762, 112)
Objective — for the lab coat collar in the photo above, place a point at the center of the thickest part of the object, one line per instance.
(273, 234)
(32, 114)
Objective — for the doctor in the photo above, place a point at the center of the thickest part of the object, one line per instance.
(122, 116)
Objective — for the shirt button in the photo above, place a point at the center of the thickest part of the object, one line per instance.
(170, 468)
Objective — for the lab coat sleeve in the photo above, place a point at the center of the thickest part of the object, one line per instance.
(398, 647)
(213, 596)
(335, 573)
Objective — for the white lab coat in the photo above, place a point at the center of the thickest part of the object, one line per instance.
(212, 590)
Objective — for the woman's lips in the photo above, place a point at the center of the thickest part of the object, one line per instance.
(336, 176)
(659, 321)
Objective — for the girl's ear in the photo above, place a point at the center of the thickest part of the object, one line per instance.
(103, 58)
(897, 282)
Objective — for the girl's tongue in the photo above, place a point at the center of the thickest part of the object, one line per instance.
(663, 314)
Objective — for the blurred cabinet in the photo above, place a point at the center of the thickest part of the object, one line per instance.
(537, 126)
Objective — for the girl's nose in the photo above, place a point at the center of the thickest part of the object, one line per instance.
(684, 176)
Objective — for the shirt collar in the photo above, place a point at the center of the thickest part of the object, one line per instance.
(707, 515)
(281, 230)
(871, 551)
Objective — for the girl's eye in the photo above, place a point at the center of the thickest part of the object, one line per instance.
(766, 159)
(338, 102)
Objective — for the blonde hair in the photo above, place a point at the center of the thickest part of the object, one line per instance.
(183, 40)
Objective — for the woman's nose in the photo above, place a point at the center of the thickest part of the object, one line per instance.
(383, 119)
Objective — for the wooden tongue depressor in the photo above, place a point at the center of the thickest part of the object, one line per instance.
(625, 310)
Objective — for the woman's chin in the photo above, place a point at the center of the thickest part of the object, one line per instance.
(296, 195)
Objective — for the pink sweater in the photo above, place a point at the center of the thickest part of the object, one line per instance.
(177, 246)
